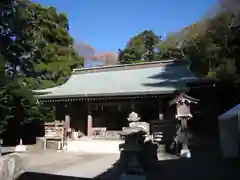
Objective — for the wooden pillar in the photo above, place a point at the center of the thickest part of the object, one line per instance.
(160, 110)
(67, 127)
(67, 123)
(133, 105)
(1, 150)
(89, 121)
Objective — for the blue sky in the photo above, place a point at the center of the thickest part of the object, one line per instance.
(108, 24)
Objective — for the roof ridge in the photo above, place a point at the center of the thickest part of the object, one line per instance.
(112, 67)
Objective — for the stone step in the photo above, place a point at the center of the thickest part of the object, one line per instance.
(94, 146)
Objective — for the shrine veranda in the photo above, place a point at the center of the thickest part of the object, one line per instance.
(102, 97)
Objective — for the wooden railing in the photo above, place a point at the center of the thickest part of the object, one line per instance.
(98, 132)
(103, 133)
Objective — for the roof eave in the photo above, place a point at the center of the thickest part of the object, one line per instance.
(47, 90)
(51, 96)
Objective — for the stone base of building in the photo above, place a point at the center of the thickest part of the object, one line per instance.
(89, 145)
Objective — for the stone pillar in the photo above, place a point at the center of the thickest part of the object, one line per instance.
(185, 152)
(185, 134)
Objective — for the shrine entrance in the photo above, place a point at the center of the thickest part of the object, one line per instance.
(111, 117)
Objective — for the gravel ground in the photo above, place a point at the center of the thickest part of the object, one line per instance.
(66, 164)
(62, 163)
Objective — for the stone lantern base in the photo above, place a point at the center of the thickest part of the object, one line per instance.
(20, 147)
(185, 153)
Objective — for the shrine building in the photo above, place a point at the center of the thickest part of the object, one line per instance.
(103, 97)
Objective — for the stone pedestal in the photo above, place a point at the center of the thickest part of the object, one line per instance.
(185, 153)
(20, 147)
(161, 149)
(41, 143)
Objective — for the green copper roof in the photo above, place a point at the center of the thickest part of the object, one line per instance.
(161, 77)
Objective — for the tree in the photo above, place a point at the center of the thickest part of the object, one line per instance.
(170, 48)
(127, 56)
(140, 47)
(53, 53)
(37, 52)
(215, 48)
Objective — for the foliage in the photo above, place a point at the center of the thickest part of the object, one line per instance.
(210, 47)
(140, 47)
(52, 51)
(140, 61)
(216, 49)
(37, 52)
(169, 49)
(127, 56)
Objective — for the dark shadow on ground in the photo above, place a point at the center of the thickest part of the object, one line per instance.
(6, 153)
(197, 169)
(189, 169)
(206, 164)
(41, 176)
(111, 173)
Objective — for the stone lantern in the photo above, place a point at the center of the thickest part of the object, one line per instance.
(133, 117)
(134, 121)
(134, 136)
(183, 114)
